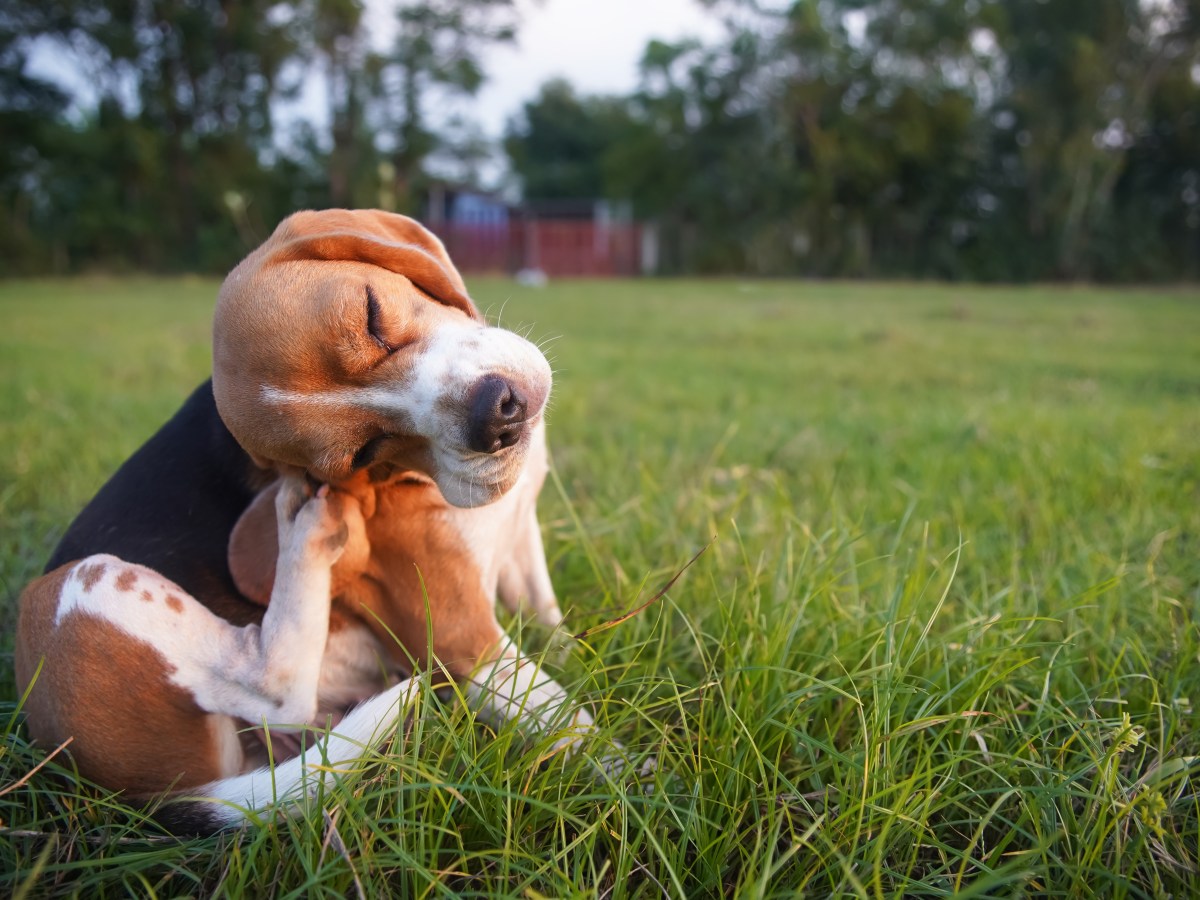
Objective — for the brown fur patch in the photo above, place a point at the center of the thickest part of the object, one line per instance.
(339, 619)
(174, 603)
(90, 575)
(147, 596)
(254, 547)
(126, 580)
(133, 729)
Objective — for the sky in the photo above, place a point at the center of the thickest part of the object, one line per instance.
(594, 44)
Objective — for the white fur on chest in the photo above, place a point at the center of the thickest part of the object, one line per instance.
(355, 666)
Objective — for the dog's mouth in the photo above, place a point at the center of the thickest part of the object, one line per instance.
(467, 494)
(469, 478)
(453, 457)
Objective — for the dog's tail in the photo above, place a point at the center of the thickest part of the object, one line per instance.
(232, 801)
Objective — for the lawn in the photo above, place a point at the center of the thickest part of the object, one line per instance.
(946, 636)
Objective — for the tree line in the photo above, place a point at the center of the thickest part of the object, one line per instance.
(962, 139)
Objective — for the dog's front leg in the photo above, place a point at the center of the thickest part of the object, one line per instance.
(513, 688)
(524, 580)
(273, 673)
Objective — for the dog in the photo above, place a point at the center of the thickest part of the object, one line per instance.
(330, 516)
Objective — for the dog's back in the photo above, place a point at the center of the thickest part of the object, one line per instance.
(172, 506)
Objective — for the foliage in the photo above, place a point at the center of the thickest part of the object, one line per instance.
(438, 45)
(182, 115)
(565, 143)
(176, 163)
(911, 138)
(945, 640)
(984, 139)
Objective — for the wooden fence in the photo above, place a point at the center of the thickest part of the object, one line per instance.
(562, 248)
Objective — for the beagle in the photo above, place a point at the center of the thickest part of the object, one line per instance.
(333, 513)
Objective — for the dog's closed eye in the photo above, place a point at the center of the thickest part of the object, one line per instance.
(375, 324)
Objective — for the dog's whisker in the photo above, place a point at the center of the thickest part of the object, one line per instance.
(500, 316)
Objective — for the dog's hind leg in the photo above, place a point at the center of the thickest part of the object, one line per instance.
(149, 684)
(514, 688)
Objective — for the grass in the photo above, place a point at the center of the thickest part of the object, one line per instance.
(945, 640)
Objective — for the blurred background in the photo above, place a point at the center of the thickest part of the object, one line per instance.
(1006, 140)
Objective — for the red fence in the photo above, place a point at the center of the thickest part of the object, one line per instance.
(560, 248)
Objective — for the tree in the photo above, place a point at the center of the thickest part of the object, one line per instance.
(705, 160)
(1082, 76)
(29, 111)
(337, 34)
(438, 49)
(882, 126)
(186, 82)
(1008, 139)
(562, 145)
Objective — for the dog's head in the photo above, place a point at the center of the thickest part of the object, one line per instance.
(347, 342)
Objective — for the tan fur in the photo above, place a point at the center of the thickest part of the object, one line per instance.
(377, 578)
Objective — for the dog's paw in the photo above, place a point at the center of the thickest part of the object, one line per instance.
(618, 764)
(313, 526)
(609, 760)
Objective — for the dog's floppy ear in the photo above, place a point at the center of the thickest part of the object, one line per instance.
(388, 240)
(254, 543)
(254, 547)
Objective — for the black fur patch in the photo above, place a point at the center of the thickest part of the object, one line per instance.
(191, 818)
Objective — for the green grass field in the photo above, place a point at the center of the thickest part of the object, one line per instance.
(946, 639)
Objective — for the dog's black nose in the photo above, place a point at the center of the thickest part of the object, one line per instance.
(497, 414)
